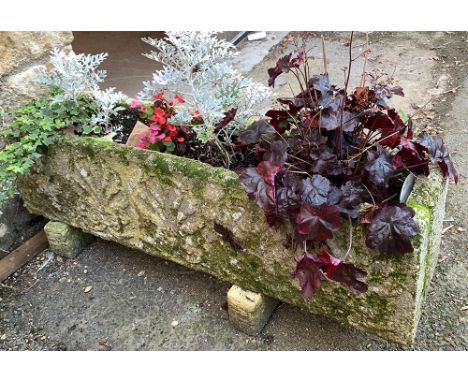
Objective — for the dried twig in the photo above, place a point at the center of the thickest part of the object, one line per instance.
(453, 90)
(447, 228)
(366, 54)
(324, 55)
(350, 239)
(340, 130)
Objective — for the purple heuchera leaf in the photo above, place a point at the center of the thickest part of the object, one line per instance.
(321, 83)
(253, 133)
(228, 117)
(283, 65)
(391, 229)
(352, 195)
(229, 237)
(259, 183)
(350, 121)
(311, 270)
(324, 161)
(294, 104)
(412, 156)
(309, 273)
(277, 153)
(315, 190)
(438, 153)
(379, 167)
(279, 119)
(288, 195)
(344, 273)
(318, 223)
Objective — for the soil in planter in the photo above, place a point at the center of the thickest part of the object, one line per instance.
(209, 153)
(192, 148)
(126, 120)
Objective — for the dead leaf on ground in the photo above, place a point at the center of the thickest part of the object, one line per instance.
(87, 289)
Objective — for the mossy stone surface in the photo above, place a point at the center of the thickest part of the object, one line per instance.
(166, 206)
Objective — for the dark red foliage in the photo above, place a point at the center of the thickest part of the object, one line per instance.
(346, 274)
(309, 273)
(277, 153)
(228, 117)
(294, 104)
(279, 119)
(289, 194)
(318, 223)
(228, 236)
(259, 183)
(253, 133)
(324, 161)
(283, 65)
(336, 155)
(391, 229)
(312, 269)
(352, 195)
(438, 153)
(379, 167)
(412, 155)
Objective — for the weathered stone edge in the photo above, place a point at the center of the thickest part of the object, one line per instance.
(228, 179)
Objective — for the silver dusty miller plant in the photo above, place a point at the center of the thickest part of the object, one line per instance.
(196, 67)
(73, 73)
(76, 75)
(107, 103)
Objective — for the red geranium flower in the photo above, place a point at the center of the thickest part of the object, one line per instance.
(179, 99)
(159, 95)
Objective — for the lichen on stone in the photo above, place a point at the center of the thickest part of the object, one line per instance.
(167, 206)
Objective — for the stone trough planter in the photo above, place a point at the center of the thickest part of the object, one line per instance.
(167, 206)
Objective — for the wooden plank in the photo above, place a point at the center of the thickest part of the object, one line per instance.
(21, 255)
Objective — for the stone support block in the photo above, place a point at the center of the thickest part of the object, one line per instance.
(248, 311)
(66, 240)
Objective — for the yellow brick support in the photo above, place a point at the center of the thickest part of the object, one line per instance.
(248, 311)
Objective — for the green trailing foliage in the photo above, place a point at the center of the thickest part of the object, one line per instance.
(74, 103)
(31, 127)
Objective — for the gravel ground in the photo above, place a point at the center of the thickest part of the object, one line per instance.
(140, 302)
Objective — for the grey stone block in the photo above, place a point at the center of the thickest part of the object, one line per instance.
(66, 240)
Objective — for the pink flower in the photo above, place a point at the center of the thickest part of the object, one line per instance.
(135, 103)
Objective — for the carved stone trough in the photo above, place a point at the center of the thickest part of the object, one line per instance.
(167, 206)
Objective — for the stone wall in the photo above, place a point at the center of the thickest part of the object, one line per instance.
(21, 56)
